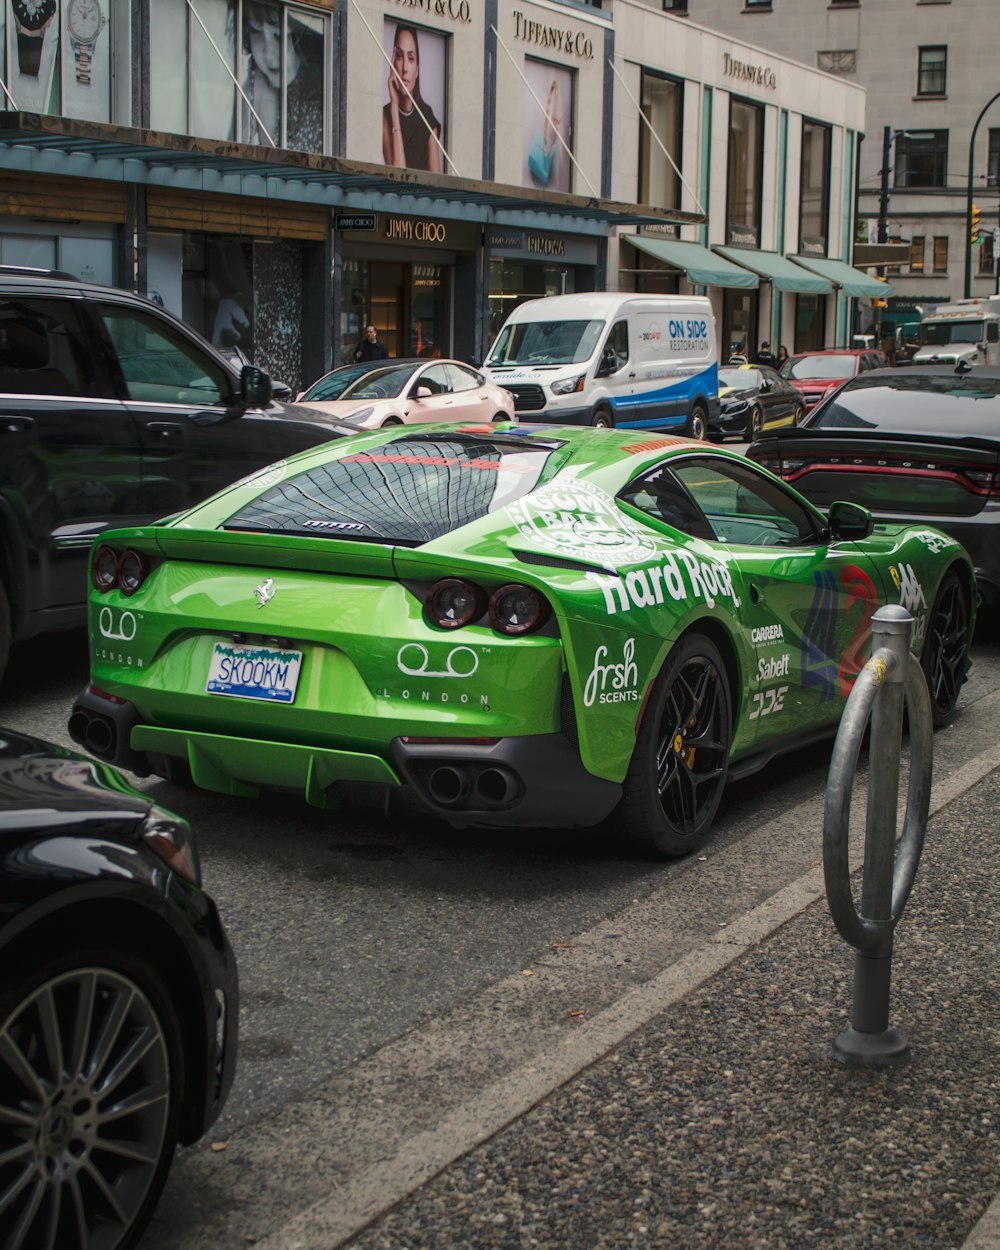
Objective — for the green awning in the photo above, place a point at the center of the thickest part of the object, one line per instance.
(851, 281)
(703, 267)
(783, 274)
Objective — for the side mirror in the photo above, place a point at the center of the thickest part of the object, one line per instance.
(609, 363)
(849, 522)
(255, 387)
(423, 392)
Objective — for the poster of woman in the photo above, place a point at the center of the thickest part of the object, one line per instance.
(414, 109)
(546, 163)
(262, 67)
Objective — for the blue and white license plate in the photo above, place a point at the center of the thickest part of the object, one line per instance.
(267, 673)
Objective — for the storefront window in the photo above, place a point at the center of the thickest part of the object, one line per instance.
(739, 324)
(548, 118)
(815, 187)
(240, 69)
(746, 154)
(512, 282)
(810, 323)
(59, 57)
(408, 303)
(659, 183)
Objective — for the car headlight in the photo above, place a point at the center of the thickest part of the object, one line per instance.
(170, 837)
(362, 414)
(568, 385)
(733, 407)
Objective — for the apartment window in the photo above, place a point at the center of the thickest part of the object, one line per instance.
(277, 52)
(917, 254)
(993, 160)
(940, 254)
(746, 150)
(757, 4)
(932, 71)
(921, 159)
(815, 187)
(675, 6)
(662, 99)
(987, 259)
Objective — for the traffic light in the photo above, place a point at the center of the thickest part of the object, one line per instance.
(974, 226)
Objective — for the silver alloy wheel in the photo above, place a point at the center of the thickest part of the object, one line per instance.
(85, 1111)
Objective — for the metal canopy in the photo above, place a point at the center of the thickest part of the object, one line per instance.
(851, 281)
(60, 145)
(702, 266)
(783, 274)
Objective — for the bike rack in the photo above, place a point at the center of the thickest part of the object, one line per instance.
(888, 875)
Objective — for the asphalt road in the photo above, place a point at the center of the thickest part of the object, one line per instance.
(391, 969)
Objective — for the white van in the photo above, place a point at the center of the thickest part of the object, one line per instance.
(639, 361)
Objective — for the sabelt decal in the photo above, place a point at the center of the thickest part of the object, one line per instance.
(612, 681)
(583, 521)
(776, 666)
(682, 577)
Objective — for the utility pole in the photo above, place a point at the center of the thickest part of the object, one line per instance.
(883, 213)
(968, 198)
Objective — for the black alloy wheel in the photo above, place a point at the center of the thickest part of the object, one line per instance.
(755, 423)
(798, 414)
(90, 1081)
(680, 763)
(945, 646)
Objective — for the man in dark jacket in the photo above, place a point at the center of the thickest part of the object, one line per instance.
(370, 348)
(765, 356)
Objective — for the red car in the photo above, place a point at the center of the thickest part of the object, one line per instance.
(817, 373)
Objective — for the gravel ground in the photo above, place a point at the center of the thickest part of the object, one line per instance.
(726, 1124)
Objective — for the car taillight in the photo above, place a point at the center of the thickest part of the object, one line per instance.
(452, 603)
(109, 569)
(518, 610)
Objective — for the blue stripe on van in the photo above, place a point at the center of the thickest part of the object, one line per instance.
(676, 395)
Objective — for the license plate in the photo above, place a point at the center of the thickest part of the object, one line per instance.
(254, 672)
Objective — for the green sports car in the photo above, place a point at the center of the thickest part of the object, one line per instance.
(523, 625)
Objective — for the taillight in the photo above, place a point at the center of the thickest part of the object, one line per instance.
(127, 571)
(518, 610)
(452, 603)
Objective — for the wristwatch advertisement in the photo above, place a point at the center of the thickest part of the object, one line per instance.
(85, 21)
(31, 21)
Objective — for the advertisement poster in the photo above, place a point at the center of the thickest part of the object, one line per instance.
(265, 62)
(87, 59)
(33, 29)
(415, 85)
(546, 163)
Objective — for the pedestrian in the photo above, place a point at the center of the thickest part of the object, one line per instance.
(370, 348)
(782, 354)
(765, 356)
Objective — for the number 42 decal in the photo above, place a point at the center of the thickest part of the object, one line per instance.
(767, 701)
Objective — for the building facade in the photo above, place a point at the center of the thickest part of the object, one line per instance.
(932, 144)
(280, 173)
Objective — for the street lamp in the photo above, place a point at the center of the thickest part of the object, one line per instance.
(889, 137)
(968, 199)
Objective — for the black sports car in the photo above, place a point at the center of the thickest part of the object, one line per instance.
(919, 445)
(118, 1001)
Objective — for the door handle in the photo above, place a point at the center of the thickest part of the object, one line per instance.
(15, 425)
(165, 429)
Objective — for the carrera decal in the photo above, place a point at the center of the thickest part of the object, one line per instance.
(709, 580)
(580, 520)
(612, 682)
(767, 633)
(819, 640)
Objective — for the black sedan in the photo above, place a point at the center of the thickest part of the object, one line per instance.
(754, 398)
(918, 445)
(118, 1003)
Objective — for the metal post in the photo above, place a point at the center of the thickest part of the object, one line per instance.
(968, 198)
(888, 875)
(883, 213)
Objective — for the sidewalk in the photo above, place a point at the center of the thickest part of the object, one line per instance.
(725, 1123)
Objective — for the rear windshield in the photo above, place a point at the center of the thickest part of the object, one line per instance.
(546, 343)
(819, 367)
(956, 404)
(406, 492)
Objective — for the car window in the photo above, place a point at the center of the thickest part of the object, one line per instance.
(618, 341)
(818, 367)
(661, 496)
(43, 350)
(745, 507)
(437, 379)
(408, 491)
(161, 365)
(463, 379)
(332, 385)
(919, 403)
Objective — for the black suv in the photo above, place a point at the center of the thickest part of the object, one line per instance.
(112, 412)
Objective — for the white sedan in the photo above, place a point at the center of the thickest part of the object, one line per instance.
(402, 392)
